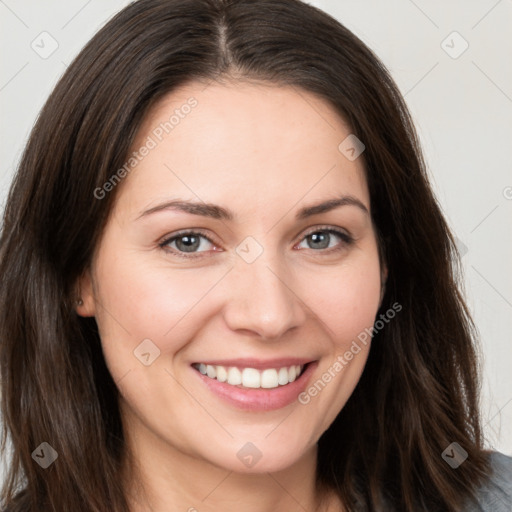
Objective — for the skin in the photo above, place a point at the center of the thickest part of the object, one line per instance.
(263, 152)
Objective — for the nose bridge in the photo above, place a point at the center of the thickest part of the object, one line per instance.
(261, 299)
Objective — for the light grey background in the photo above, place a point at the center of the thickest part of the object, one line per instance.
(462, 106)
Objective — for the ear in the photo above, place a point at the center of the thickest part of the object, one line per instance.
(85, 304)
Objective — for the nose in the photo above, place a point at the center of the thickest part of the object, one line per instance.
(261, 300)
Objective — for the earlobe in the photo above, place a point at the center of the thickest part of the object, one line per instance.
(84, 302)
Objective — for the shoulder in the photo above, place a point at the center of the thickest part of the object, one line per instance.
(496, 493)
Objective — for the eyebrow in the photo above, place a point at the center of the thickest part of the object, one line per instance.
(218, 212)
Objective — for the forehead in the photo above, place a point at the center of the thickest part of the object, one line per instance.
(249, 143)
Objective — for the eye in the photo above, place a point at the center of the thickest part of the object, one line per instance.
(326, 238)
(188, 242)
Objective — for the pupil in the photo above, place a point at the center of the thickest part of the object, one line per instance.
(320, 238)
(187, 243)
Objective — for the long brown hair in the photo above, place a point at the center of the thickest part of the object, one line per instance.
(420, 387)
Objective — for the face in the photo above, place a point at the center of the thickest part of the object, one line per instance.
(241, 246)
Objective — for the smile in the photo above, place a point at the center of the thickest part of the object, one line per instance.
(252, 378)
(254, 384)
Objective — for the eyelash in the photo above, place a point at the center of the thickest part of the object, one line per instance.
(347, 240)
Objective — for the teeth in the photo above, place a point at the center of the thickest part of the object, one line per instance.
(269, 379)
(222, 374)
(234, 376)
(282, 377)
(210, 371)
(250, 377)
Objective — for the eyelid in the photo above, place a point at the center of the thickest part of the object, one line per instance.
(328, 228)
(191, 231)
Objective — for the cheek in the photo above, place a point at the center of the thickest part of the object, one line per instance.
(346, 301)
(138, 300)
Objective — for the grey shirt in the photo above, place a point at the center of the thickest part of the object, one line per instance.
(495, 495)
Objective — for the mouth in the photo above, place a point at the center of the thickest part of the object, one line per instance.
(256, 386)
(252, 378)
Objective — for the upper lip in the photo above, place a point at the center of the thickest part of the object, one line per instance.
(258, 364)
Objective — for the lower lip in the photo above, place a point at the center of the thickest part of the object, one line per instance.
(260, 399)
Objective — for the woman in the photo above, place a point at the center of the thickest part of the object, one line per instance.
(226, 282)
